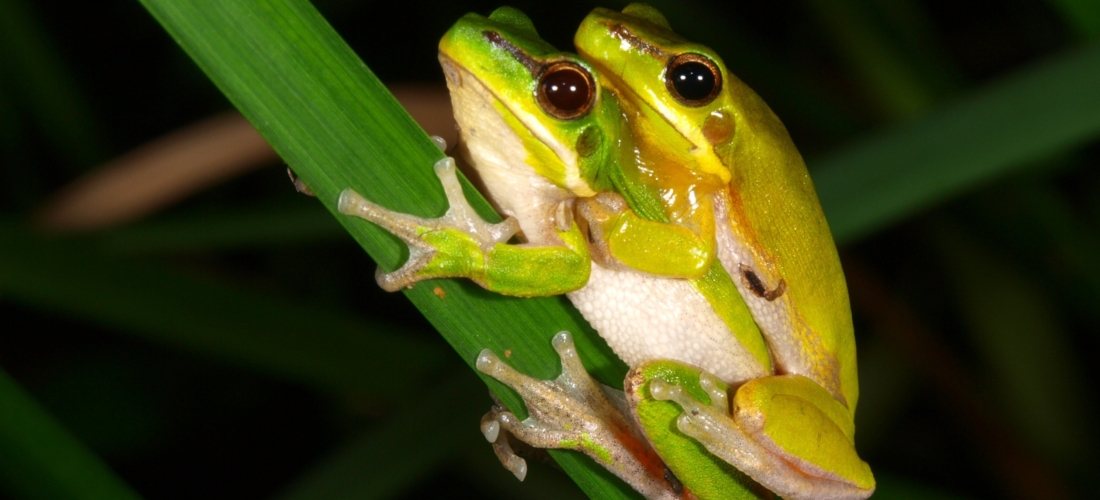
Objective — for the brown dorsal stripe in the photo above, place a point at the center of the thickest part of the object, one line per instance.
(621, 32)
(517, 53)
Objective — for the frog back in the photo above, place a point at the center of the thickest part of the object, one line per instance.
(773, 235)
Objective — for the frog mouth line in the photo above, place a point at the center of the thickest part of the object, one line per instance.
(626, 94)
(459, 75)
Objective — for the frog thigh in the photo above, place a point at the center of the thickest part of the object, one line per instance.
(776, 436)
(794, 417)
(703, 474)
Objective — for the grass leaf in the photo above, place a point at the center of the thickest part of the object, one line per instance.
(34, 69)
(327, 348)
(424, 433)
(39, 459)
(1028, 116)
(1084, 15)
(336, 126)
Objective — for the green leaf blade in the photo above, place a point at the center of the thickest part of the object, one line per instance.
(1028, 116)
(332, 350)
(337, 127)
(40, 459)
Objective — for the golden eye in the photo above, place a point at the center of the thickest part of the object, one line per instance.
(693, 80)
(566, 90)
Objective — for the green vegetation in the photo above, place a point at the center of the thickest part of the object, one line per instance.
(242, 327)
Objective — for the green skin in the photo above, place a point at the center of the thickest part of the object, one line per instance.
(595, 153)
(641, 236)
(695, 147)
(579, 156)
(571, 157)
(595, 144)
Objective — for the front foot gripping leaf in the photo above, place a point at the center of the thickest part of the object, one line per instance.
(453, 245)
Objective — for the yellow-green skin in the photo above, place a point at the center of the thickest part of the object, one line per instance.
(580, 158)
(702, 473)
(505, 54)
(571, 155)
(737, 149)
(641, 238)
(669, 167)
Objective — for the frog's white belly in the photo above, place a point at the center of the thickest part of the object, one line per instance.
(644, 317)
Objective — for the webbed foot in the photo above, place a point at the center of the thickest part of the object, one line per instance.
(743, 441)
(441, 247)
(571, 412)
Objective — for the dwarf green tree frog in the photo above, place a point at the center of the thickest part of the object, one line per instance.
(639, 204)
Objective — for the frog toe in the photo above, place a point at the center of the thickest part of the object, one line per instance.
(736, 441)
(439, 142)
(502, 445)
(572, 412)
(463, 217)
(490, 428)
(411, 229)
(403, 226)
(407, 275)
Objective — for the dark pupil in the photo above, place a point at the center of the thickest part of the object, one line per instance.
(693, 80)
(566, 89)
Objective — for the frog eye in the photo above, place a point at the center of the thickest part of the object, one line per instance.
(566, 90)
(694, 80)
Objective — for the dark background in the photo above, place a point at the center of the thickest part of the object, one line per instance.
(976, 318)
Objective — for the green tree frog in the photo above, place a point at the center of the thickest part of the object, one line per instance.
(533, 126)
(698, 129)
(568, 166)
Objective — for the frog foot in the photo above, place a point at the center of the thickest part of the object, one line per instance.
(459, 229)
(741, 442)
(571, 412)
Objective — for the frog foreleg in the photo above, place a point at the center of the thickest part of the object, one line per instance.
(460, 224)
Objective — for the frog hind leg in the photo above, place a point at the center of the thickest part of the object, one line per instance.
(572, 412)
(460, 220)
(748, 441)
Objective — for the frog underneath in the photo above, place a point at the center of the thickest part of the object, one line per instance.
(646, 270)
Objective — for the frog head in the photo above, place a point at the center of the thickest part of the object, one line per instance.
(525, 108)
(679, 91)
(689, 114)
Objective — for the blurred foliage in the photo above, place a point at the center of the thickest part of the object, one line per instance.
(235, 345)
